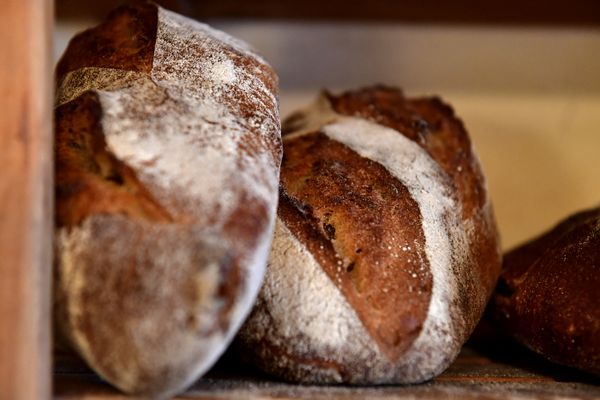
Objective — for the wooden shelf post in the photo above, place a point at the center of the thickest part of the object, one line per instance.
(25, 198)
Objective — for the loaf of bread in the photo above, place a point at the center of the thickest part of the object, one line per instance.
(548, 296)
(167, 159)
(385, 250)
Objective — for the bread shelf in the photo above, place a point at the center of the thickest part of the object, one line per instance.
(486, 368)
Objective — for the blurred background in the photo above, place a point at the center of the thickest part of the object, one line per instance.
(523, 76)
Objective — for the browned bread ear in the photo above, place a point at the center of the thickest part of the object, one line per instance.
(548, 295)
(167, 162)
(385, 248)
(125, 40)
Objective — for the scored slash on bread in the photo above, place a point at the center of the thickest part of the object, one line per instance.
(385, 249)
(167, 159)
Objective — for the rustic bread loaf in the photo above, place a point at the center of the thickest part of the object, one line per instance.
(548, 296)
(167, 158)
(385, 249)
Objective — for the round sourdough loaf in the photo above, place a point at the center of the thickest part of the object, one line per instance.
(167, 159)
(548, 296)
(385, 249)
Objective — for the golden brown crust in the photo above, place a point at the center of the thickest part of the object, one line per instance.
(547, 296)
(359, 221)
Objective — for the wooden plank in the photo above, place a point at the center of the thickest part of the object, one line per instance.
(505, 373)
(25, 198)
(549, 12)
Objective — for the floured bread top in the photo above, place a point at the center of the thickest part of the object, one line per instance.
(193, 127)
(380, 208)
(167, 161)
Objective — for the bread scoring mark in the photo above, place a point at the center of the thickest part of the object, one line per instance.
(89, 179)
(293, 269)
(75, 83)
(183, 127)
(337, 202)
(430, 123)
(433, 125)
(302, 322)
(446, 242)
(310, 119)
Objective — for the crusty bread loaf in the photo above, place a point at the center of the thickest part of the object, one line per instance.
(167, 158)
(385, 250)
(548, 296)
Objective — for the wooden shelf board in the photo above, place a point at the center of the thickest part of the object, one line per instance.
(484, 369)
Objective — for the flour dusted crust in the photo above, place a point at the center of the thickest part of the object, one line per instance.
(385, 250)
(167, 152)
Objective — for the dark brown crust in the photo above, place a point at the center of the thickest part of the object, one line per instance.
(431, 124)
(90, 180)
(548, 296)
(355, 218)
(125, 40)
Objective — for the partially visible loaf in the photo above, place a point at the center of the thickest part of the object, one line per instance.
(167, 160)
(385, 250)
(548, 296)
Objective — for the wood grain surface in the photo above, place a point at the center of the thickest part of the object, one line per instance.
(489, 367)
(25, 198)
